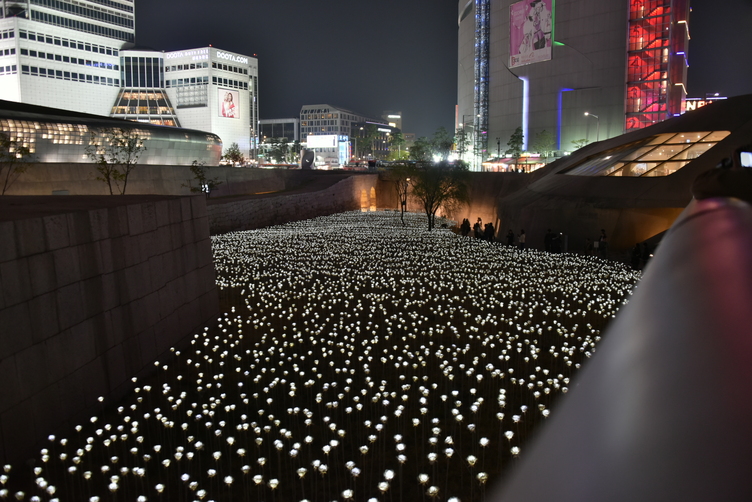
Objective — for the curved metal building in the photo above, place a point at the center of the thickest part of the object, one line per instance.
(61, 136)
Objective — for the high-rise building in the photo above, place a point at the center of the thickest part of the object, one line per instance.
(63, 53)
(217, 91)
(578, 69)
(79, 55)
(394, 119)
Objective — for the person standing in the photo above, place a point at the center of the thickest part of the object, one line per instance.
(603, 244)
(489, 232)
(465, 228)
(548, 241)
(510, 238)
(521, 239)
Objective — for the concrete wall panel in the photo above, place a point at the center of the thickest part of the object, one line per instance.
(93, 290)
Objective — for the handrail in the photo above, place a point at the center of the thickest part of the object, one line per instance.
(662, 412)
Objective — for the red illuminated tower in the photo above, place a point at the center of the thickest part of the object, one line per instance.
(656, 61)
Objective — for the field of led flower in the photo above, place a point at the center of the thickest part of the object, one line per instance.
(367, 361)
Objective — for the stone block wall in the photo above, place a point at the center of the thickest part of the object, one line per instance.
(354, 192)
(80, 179)
(92, 291)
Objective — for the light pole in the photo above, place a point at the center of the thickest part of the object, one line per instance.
(598, 126)
(498, 148)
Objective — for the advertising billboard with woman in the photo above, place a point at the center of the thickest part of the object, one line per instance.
(228, 103)
(530, 30)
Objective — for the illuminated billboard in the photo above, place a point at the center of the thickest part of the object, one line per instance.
(530, 32)
(322, 141)
(229, 103)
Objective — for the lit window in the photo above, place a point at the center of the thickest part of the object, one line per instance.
(660, 155)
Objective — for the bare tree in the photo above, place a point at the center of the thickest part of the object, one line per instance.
(400, 175)
(12, 160)
(442, 184)
(115, 151)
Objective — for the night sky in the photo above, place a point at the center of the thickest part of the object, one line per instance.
(375, 55)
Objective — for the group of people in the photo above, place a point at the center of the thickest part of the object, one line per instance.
(552, 242)
(487, 232)
(480, 231)
(599, 246)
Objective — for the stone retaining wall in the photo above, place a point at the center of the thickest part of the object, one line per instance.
(92, 291)
(355, 192)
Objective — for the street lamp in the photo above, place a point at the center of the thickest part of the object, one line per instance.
(598, 126)
(498, 148)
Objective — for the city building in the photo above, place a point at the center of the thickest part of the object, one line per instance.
(333, 133)
(582, 70)
(63, 54)
(217, 91)
(81, 56)
(394, 119)
(142, 96)
(280, 128)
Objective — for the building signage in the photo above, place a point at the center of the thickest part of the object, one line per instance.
(322, 141)
(195, 55)
(232, 57)
(695, 103)
(530, 32)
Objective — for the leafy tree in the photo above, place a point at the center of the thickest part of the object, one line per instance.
(396, 142)
(515, 145)
(203, 184)
(280, 149)
(544, 143)
(115, 151)
(441, 143)
(461, 140)
(294, 152)
(233, 154)
(579, 143)
(367, 140)
(12, 160)
(421, 150)
(442, 184)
